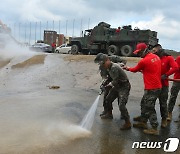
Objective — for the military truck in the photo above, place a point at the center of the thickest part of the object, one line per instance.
(103, 38)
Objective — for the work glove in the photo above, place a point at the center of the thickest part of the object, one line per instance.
(164, 76)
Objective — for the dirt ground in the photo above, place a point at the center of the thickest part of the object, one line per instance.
(36, 118)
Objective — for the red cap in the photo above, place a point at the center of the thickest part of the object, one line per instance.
(140, 47)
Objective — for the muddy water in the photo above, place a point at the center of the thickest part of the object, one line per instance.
(37, 120)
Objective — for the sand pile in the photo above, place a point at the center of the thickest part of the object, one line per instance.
(37, 59)
(4, 62)
(78, 58)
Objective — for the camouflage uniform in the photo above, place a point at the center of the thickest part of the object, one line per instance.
(174, 93)
(168, 67)
(148, 106)
(120, 89)
(163, 97)
(117, 59)
(104, 74)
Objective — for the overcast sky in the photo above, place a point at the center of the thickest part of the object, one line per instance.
(162, 16)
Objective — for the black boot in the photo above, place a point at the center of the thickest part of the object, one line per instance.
(127, 125)
(103, 113)
(108, 115)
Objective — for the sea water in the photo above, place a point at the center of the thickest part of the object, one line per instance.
(88, 120)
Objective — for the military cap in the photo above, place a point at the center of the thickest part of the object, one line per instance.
(100, 58)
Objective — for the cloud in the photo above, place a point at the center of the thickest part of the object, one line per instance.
(36, 10)
(33, 11)
(156, 15)
(167, 29)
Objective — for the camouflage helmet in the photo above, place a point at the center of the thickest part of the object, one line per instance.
(98, 58)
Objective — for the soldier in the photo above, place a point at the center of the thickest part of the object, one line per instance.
(119, 88)
(104, 74)
(168, 67)
(150, 66)
(174, 90)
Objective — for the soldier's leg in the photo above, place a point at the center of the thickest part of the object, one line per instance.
(174, 93)
(142, 122)
(106, 92)
(121, 116)
(123, 94)
(163, 101)
(142, 104)
(150, 112)
(163, 97)
(112, 95)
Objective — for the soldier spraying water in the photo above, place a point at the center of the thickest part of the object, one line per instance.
(119, 88)
(106, 77)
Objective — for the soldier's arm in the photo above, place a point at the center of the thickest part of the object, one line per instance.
(117, 59)
(107, 80)
(173, 65)
(121, 60)
(138, 68)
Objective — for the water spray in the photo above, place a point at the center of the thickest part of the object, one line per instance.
(88, 120)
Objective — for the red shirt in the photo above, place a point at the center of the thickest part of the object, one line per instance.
(53, 45)
(177, 73)
(118, 30)
(168, 67)
(150, 66)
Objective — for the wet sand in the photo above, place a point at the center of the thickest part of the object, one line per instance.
(4, 62)
(38, 59)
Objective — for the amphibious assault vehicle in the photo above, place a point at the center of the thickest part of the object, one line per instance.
(103, 38)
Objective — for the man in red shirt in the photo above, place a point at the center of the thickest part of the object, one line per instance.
(53, 45)
(150, 66)
(118, 29)
(168, 67)
(174, 90)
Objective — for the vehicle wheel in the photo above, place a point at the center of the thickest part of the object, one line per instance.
(56, 51)
(74, 49)
(126, 50)
(69, 52)
(113, 50)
